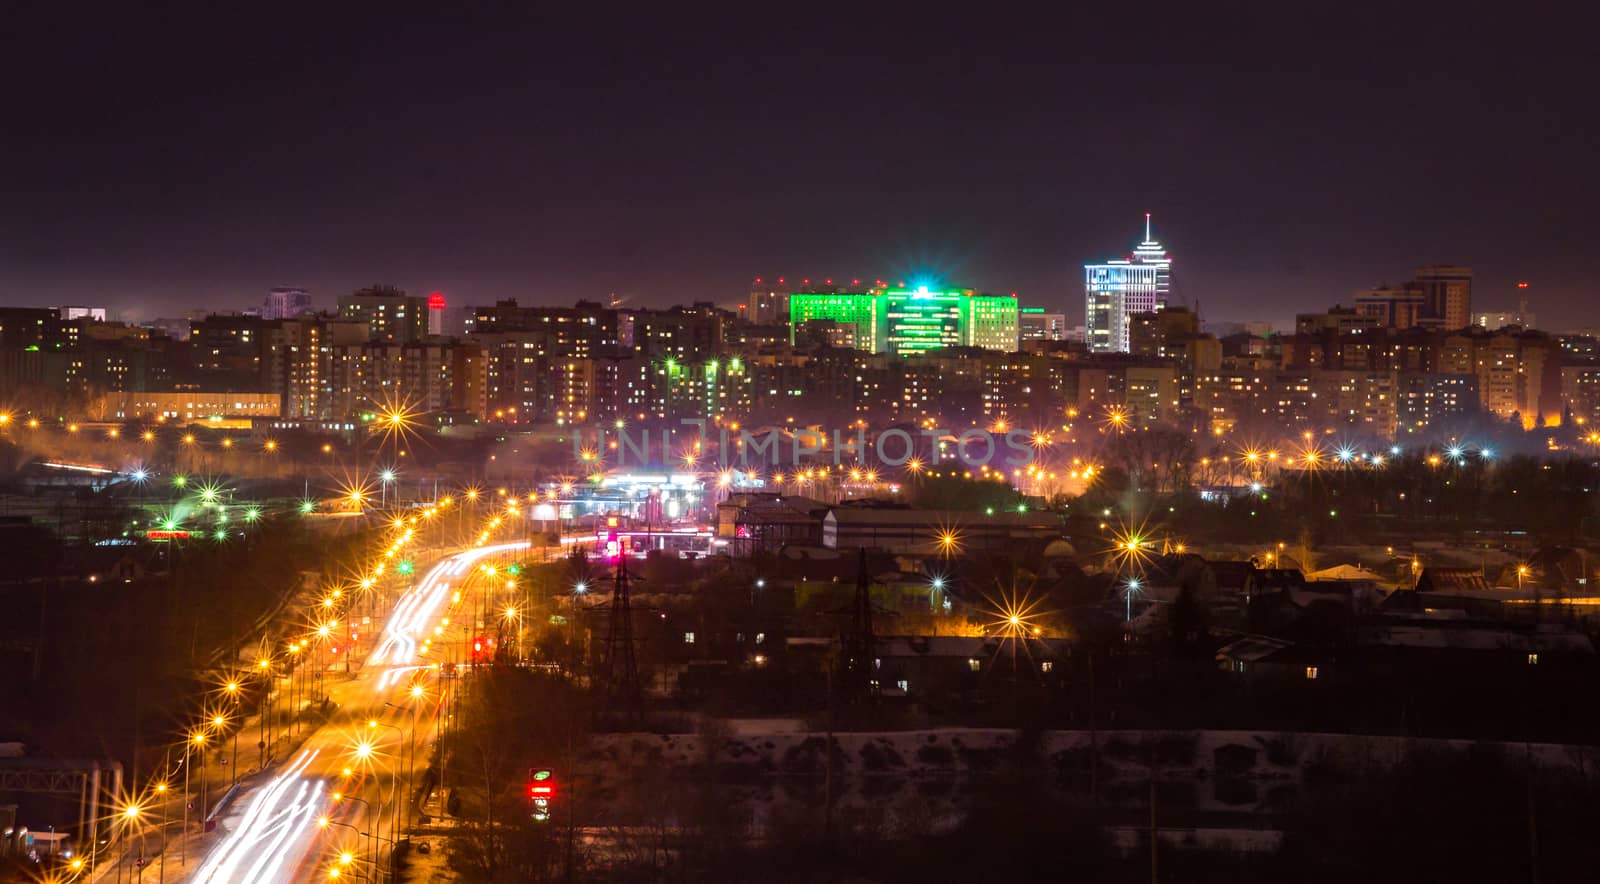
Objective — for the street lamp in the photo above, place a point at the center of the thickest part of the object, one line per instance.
(198, 738)
(372, 843)
(264, 667)
(394, 776)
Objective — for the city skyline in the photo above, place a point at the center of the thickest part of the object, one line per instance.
(674, 170)
(509, 443)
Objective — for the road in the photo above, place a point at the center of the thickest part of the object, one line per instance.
(273, 831)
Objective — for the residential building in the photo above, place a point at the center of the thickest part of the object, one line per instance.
(188, 406)
(391, 315)
(1446, 295)
(1162, 333)
(1392, 307)
(286, 302)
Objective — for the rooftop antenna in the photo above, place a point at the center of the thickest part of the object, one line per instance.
(1146, 226)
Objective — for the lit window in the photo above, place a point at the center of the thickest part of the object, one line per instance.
(1311, 672)
(688, 638)
(1533, 659)
(903, 685)
(974, 664)
(1047, 665)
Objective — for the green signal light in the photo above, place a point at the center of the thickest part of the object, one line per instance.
(405, 567)
(514, 569)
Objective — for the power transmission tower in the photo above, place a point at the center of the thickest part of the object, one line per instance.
(622, 667)
(859, 647)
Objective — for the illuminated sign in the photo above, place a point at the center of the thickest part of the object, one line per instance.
(166, 535)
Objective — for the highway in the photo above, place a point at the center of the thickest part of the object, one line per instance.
(274, 831)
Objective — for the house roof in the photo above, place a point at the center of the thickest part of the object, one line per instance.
(1251, 648)
(963, 646)
(1344, 572)
(1230, 574)
(776, 508)
(1465, 637)
(1451, 580)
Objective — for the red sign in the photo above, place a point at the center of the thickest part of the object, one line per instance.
(166, 535)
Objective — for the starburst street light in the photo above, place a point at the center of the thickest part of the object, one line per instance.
(1130, 548)
(949, 543)
(395, 421)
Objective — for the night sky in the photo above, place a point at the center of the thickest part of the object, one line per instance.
(155, 159)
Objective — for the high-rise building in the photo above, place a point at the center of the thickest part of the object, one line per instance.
(1446, 295)
(858, 310)
(285, 302)
(687, 334)
(225, 351)
(909, 322)
(1034, 324)
(436, 309)
(921, 321)
(1403, 307)
(1522, 317)
(391, 315)
(1117, 289)
(768, 301)
(992, 322)
(1162, 333)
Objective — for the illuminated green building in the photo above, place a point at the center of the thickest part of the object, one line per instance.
(906, 323)
(863, 310)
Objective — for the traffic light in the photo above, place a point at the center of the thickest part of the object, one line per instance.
(514, 570)
(405, 567)
(541, 791)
